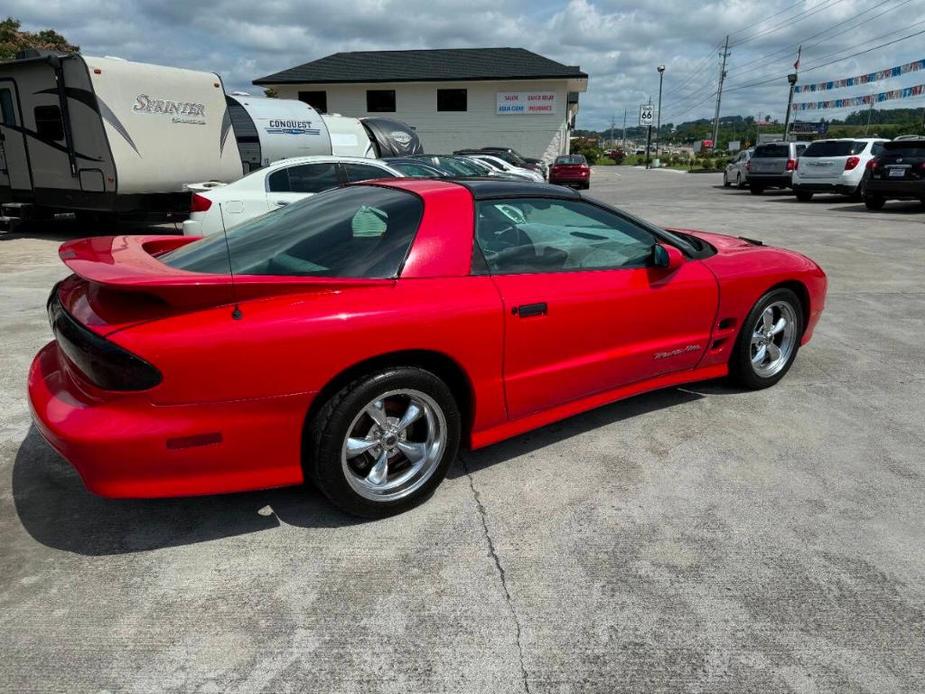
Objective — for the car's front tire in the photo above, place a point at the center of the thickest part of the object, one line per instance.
(768, 341)
(383, 443)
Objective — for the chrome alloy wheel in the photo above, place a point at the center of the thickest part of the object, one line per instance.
(394, 445)
(773, 339)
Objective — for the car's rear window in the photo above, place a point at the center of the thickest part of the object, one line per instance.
(358, 231)
(772, 152)
(571, 159)
(834, 148)
(909, 149)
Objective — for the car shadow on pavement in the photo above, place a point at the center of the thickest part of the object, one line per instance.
(582, 423)
(56, 509)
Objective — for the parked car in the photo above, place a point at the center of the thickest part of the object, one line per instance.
(275, 186)
(456, 166)
(772, 165)
(501, 165)
(571, 170)
(362, 338)
(512, 156)
(736, 172)
(834, 166)
(412, 166)
(897, 173)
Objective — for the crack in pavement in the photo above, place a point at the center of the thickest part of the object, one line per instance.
(501, 575)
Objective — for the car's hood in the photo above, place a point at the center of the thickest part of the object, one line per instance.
(722, 242)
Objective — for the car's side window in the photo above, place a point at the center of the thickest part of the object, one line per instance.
(531, 235)
(364, 172)
(306, 178)
(877, 148)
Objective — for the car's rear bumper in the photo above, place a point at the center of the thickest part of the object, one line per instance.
(769, 180)
(825, 187)
(127, 446)
(896, 189)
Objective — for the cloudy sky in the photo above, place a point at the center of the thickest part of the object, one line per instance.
(618, 43)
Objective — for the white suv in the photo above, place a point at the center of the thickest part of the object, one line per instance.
(834, 166)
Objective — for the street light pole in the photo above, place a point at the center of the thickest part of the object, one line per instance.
(658, 127)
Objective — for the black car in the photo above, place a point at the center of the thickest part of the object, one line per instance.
(897, 173)
(458, 166)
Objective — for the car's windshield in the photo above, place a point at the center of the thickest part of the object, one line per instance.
(909, 149)
(480, 168)
(463, 167)
(509, 157)
(358, 231)
(571, 159)
(834, 148)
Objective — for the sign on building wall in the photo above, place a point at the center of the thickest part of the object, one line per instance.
(519, 103)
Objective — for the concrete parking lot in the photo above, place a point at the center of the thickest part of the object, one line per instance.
(699, 539)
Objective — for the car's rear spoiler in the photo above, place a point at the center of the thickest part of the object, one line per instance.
(130, 264)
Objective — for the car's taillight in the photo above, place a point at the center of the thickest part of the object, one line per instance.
(199, 203)
(851, 163)
(104, 363)
(791, 165)
(748, 166)
(871, 165)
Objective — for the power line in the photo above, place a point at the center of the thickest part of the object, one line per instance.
(781, 52)
(769, 17)
(790, 21)
(837, 60)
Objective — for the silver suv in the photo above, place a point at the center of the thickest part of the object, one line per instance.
(772, 165)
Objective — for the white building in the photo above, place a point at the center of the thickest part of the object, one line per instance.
(454, 98)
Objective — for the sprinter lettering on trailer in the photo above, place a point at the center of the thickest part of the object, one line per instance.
(145, 103)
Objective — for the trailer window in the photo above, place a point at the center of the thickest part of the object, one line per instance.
(48, 123)
(7, 112)
(380, 101)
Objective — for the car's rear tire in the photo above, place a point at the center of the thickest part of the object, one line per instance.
(726, 182)
(739, 183)
(756, 190)
(803, 196)
(768, 341)
(383, 443)
(874, 202)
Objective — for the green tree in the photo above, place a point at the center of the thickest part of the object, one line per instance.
(13, 40)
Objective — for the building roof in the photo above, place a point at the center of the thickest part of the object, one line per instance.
(443, 64)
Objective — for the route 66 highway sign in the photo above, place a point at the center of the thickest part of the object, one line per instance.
(646, 114)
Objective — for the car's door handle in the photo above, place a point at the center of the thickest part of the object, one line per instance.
(281, 203)
(527, 310)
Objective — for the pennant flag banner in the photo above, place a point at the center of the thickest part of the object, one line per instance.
(914, 66)
(917, 90)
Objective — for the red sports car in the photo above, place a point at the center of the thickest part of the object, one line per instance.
(358, 338)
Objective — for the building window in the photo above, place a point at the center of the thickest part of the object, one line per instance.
(48, 123)
(451, 100)
(317, 100)
(380, 101)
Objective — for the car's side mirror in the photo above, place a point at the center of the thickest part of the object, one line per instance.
(666, 256)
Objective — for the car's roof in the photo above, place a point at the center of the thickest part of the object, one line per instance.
(485, 188)
(322, 158)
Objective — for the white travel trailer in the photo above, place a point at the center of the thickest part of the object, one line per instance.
(268, 130)
(108, 135)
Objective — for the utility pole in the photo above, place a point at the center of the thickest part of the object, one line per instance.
(613, 124)
(792, 79)
(719, 92)
(658, 127)
(624, 130)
